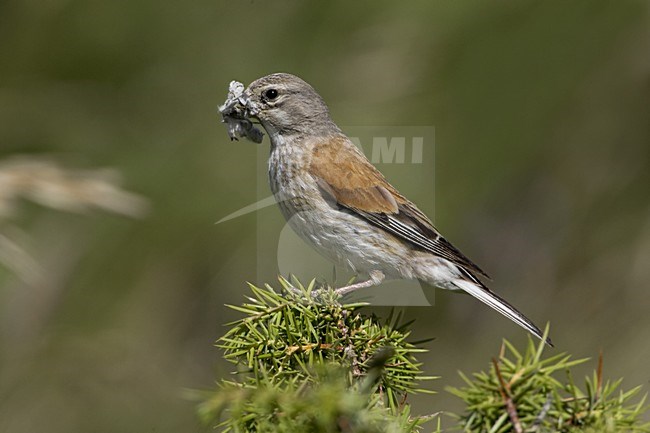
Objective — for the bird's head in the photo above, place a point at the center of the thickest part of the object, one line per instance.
(285, 105)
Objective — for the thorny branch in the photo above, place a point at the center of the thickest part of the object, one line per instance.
(504, 389)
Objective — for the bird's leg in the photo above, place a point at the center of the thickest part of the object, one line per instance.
(376, 277)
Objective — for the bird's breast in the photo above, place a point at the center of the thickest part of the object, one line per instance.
(334, 232)
(294, 188)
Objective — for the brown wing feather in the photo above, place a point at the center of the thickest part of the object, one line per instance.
(345, 174)
(352, 179)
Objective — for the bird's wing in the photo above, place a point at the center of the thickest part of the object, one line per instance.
(348, 179)
(345, 175)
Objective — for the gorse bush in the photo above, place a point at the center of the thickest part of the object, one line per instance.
(523, 392)
(307, 363)
(326, 404)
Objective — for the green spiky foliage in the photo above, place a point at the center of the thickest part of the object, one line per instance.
(522, 393)
(307, 363)
(326, 404)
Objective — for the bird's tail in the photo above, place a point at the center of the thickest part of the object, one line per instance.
(491, 299)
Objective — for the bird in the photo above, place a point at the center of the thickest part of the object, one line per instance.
(337, 201)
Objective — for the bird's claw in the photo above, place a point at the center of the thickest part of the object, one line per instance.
(376, 277)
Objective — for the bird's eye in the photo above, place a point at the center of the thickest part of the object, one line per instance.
(271, 94)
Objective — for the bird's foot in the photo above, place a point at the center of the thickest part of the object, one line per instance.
(376, 277)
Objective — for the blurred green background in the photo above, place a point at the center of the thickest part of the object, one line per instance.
(542, 177)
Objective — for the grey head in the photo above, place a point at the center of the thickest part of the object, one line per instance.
(286, 105)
